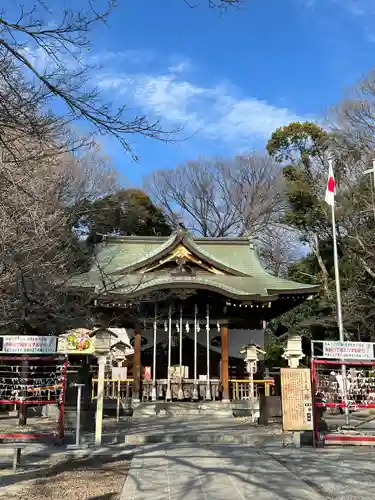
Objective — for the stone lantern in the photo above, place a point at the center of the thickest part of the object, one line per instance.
(293, 351)
(102, 342)
(251, 357)
(120, 351)
(251, 352)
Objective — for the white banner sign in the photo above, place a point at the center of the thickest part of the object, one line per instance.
(28, 344)
(348, 350)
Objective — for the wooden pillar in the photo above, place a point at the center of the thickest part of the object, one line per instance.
(137, 367)
(224, 363)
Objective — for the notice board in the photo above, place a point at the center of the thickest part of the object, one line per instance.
(296, 399)
(28, 344)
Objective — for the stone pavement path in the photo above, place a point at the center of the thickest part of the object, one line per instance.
(211, 472)
(345, 473)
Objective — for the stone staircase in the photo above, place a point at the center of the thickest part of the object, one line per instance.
(211, 409)
(197, 429)
(205, 431)
(203, 422)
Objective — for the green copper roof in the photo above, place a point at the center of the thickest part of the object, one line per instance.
(244, 276)
(116, 256)
(117, 253)
(245, 287)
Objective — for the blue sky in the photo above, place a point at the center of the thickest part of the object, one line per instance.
(228, 80)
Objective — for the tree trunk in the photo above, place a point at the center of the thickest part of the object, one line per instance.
(325, 274)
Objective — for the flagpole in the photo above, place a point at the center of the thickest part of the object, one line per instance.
(339, 305)
(337, 277)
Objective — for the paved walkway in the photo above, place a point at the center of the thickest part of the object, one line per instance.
(342, 473)
(217, 472)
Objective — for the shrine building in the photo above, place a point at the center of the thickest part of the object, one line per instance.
(188, 305)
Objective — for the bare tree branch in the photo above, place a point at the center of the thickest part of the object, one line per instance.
(64, 45)
(216, 4)
(239, 197)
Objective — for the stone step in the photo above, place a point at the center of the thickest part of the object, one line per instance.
(184, 404)
(214, 409)
(112, 438)
(278, 441)
(202, 428)
(266, 440)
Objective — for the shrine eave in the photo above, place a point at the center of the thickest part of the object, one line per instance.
(243, 289)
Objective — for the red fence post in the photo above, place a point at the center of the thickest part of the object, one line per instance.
(61, 422)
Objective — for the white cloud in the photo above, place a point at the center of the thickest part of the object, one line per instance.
(37, 58)
(179, 65)
(363, 13)
(357, 7)
(126, 56)
(215, 112)
(359, 13)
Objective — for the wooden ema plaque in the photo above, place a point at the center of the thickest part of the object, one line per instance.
(296, 399)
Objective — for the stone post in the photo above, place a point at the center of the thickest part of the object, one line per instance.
(100, 400)
(251, 361)
(102, 346)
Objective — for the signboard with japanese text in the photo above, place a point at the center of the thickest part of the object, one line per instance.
(296, 399)
(28, 344)
(348, 350)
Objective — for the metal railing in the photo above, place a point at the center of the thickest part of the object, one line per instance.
(242, 390)
(113, 389)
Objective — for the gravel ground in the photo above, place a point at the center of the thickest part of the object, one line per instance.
(34, 425)
(86, 477)
(44, 425)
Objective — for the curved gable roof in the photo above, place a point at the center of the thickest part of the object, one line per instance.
(129, 254)
(120, 259)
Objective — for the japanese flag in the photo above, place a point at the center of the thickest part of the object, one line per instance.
(331, 186)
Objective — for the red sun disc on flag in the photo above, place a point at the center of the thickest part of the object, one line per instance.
(331, 185)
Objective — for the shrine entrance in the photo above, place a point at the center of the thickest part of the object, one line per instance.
(201, 304)
(189, 354)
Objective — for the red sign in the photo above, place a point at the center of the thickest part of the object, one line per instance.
(147, 373)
